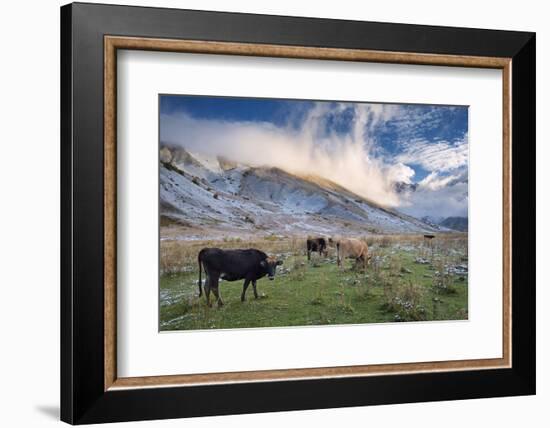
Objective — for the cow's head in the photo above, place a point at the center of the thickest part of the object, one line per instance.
(332, 241)
(270, 265)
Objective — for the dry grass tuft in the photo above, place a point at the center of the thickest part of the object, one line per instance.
(405, 301)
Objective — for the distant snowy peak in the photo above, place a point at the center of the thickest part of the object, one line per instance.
(455, 223)
(459, 224)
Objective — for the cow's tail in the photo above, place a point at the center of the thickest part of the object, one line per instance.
(200, 272)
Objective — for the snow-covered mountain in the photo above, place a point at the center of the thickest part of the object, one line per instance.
(212, 195)
(446, 224)
(455, 223)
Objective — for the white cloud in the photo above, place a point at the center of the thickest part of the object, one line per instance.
(440, 156)
(446, 201)
(439, 195)
(400, 173)
(434, 181)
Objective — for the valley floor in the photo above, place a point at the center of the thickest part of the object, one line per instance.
(408, 279)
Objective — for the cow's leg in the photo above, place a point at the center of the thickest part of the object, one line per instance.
(215, 287)
(216, 291)
(254, 286)
(245, 286)
(212, 285)
(308, 254)
(207, 291)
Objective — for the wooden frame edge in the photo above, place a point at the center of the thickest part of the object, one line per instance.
(112, 43)
(109, 197)
(507, 213)
(301, 52)
(299, 374)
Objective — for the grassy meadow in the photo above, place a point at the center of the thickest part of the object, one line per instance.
(408, 279)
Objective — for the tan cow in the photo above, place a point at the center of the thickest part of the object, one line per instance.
(351, 248)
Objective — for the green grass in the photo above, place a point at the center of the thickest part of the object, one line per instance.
(318, 293)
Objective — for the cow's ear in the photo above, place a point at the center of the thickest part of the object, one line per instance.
(263, 263)
(279, 262)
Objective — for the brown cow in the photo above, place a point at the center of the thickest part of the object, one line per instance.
(351, 248)
(316, 245)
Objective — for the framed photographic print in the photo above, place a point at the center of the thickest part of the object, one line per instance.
(272, 213)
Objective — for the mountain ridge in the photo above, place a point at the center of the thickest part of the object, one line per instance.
(209, 194)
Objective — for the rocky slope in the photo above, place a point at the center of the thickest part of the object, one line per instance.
(213, 196)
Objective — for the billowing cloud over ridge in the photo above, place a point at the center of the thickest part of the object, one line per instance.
(366, 148)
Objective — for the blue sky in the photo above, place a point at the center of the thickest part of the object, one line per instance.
(423, 144)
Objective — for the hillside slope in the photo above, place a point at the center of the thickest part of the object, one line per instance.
(213, 196)
(455, 223)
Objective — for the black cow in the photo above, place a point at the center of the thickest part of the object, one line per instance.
(233, 265)
(316, 245)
